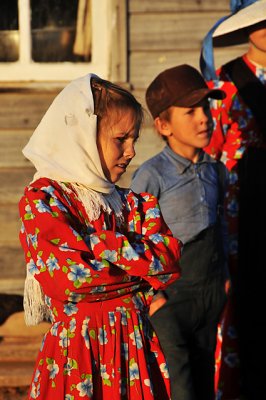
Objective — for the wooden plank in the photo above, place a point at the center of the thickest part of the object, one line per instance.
(170, 31)
(19, 350)
(13, 182)
(16, 374)
(12, 286)
(177, 5)
(12, 143)
(157, 61)
(10, 225)
(12, 262)
(22, 110)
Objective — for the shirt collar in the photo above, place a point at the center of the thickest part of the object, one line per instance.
(182, 164)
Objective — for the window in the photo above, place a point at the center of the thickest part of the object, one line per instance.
(62, 39)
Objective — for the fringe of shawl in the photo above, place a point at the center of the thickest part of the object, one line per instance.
(94, 203)
(35, 309)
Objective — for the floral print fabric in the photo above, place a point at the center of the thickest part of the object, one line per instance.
(235, 129)
(98, 279)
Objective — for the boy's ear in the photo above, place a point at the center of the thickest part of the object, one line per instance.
(163, 126)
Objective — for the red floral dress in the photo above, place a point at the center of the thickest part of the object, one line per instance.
(98, 281)
(235, 129)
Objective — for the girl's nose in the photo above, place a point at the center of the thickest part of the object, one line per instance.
(129, 152)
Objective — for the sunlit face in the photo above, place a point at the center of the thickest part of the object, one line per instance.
(116, 146)
(190, 128)
(257, 36)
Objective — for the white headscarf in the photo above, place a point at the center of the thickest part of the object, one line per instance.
(63, 148)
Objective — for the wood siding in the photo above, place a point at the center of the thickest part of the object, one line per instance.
(161, 34)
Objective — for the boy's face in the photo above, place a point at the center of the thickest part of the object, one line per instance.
(189, 129)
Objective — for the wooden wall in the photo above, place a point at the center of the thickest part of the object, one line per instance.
(162, 33)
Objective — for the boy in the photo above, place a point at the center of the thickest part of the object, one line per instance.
(190, 187)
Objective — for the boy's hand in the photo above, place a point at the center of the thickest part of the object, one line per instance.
(157, 302)
(228, 287)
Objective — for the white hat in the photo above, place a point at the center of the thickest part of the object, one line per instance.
(232, 30)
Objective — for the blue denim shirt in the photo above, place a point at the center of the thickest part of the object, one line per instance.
(188, 193)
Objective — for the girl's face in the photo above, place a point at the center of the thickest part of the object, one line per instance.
(116, 145)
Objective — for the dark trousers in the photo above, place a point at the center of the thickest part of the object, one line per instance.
(187, 324)
(187, 332)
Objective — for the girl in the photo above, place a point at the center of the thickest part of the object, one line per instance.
(94, 252)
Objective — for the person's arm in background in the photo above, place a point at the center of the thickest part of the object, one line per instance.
(226, 141)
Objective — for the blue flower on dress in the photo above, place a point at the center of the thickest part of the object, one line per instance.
(56, 203)
(52, 263)
(232, 208)
(98, 289)
(78, 273)
(156, 238)
(102, 337)
(42, 207)
(69, 366)
(85, 331)
(36, 375)
(164, 278)
(70, 309)
(139, 248)
(109, 255)
(129, 253)
(22, 228)
(29, 214)
(242, 123)
(32, 268)
(231, 359)
(54, 328)
(233, 177)
(65, 247)
(64, 340)
(69, 397)
(40, 262)
(133, 371)
(34, 240)
(72, 325)
(124, 350)
(164, 369)
(112, 318)
(54, 369)
(85, 388)
(155, 266)
(104, 374)
(153, 213)
(231, 332)
(136, 338)
(97, 265)
(94, 240)
(48, 189)
(35, 391)
(75, 297)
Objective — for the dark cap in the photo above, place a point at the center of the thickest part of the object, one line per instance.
(181, 86)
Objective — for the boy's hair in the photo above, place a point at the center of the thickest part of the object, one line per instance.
(181, 86)
(111, 101)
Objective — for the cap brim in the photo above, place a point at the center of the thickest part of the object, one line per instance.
(197, 96)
